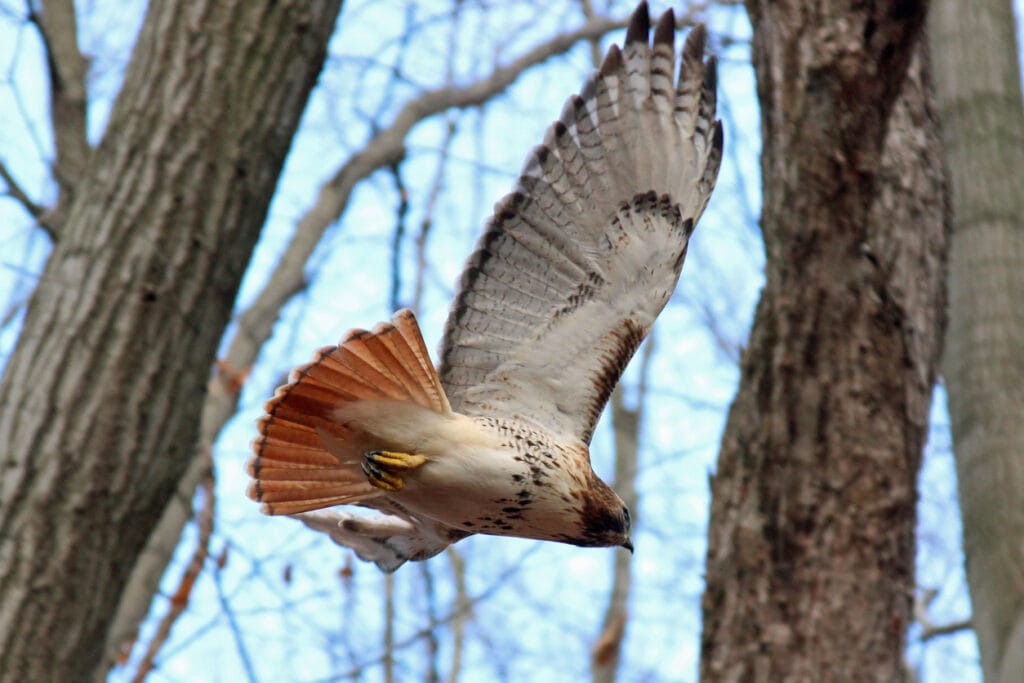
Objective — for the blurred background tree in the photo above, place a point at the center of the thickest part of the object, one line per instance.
(978, 83)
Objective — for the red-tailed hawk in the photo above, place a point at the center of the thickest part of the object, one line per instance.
(566, 280)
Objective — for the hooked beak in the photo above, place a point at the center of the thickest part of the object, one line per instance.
(628, 545)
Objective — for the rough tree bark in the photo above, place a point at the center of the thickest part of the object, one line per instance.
(810, 565)
(977, 79)
(102, 395)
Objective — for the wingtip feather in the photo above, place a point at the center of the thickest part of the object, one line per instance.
(612, 61)
(711, 76)
(693, 48)
(632, 130)
(639, 24)
(665, 29)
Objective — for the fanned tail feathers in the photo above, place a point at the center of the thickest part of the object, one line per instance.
(305, 457)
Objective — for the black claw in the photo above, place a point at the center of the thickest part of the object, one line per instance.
(370, 463)
(371, 470)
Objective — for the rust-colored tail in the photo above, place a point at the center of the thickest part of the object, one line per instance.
(306, 459)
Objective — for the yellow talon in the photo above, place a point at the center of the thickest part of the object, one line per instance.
(400, 461)
(378, 465)
(385, 480)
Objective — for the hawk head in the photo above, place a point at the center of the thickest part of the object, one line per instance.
(604, 517)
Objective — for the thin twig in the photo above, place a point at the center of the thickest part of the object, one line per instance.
(18, 194)
(443, 156)
(236, 631)
(401, 214)
(428, 215)
(179, 601)
(930, 630)
(461, 610)
(937, 630)
(433, 647)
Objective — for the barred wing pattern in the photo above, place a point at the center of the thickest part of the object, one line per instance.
(578, 261)
(565, 283)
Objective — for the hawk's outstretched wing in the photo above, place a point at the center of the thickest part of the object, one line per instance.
(577, 262)
(567, 279)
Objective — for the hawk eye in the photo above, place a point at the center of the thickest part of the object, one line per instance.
(625, 514)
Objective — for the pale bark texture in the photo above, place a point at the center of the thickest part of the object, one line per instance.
(810, 565)
(101, 398)
(977, 78)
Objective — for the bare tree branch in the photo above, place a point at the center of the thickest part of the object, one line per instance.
(401, 215)
(18, 194)
(463, 608)
(929, 630)
(461, 613)
(428, 216)
(432, 645)
(387, 147)
(626, 421)
(438, 182)
(587, 7)
(937, 630)
(58, 27)
(236, 631)
(179, 601)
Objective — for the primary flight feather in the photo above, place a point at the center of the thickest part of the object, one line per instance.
(565, 282)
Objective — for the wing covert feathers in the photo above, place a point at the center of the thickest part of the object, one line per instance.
(305, 458)
(580, 258)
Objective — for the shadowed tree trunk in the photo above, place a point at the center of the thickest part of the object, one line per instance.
(979, 93)
(101, 398)
(810, 565)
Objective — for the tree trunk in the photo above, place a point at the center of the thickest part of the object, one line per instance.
(102, 395)
(810, 565)
(979, 94)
